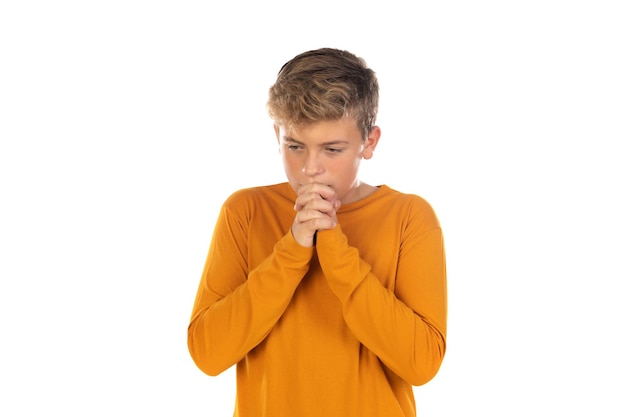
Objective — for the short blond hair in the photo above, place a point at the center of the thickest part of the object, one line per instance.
(324, 84)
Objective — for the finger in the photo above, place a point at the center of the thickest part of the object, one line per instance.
(325, 191)
(307, 215)
(311, 192)
(309, 200)
(312, 222)
(319, 205)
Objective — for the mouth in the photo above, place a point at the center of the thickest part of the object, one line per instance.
(314, 182)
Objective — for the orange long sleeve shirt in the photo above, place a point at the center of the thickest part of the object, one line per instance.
(342, 329)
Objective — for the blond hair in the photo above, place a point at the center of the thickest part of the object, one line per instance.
(324, 84)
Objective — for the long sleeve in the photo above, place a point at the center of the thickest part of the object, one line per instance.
(405, 325)
(235, 309)
(344, 328)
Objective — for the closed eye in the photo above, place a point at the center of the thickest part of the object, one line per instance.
(334, 150)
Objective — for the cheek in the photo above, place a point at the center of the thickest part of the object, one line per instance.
(347, 167)
(290, 163)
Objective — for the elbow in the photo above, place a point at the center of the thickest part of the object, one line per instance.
(205, 365)
(425, 373)
(427, 362)
(200, 352)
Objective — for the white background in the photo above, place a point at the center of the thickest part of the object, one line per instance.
(124, 125)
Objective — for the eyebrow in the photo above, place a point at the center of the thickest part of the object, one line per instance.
(329, 143)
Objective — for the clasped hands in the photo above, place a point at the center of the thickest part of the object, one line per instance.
(316, 209)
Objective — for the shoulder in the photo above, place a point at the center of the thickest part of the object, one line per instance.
(393, 196)
(408, 205)
(261, 195)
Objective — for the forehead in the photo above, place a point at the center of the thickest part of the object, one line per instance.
(344, 129)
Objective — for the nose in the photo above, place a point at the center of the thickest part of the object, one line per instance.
(312, 165)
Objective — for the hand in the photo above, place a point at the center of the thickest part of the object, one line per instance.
(316, 209)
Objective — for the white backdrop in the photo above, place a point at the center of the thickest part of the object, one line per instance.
(125, 124)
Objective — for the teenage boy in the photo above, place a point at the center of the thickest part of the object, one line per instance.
(328, 294)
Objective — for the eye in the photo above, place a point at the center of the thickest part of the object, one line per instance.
(294, 147)
(334, 150)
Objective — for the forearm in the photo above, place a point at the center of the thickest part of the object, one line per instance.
(410, 340)
(224, 329)
(409, 344)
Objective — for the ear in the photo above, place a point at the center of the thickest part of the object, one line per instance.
(370, 142)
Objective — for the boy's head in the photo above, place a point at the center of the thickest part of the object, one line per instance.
(324, 84)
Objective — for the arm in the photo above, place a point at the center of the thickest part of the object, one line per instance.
(235, 310)
(405, 328)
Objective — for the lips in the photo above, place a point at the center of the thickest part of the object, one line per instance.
(314, 182)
